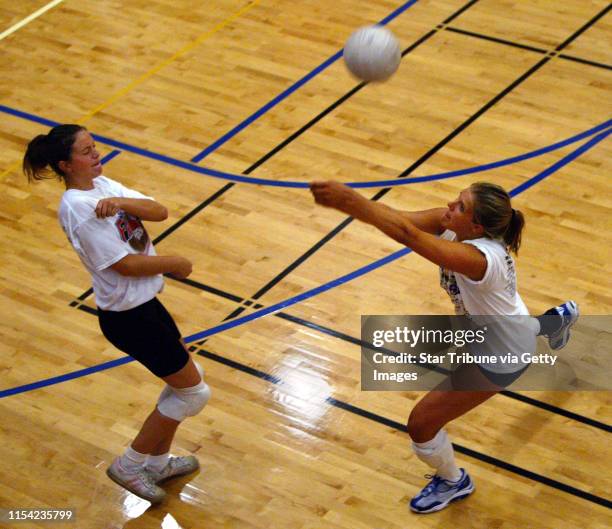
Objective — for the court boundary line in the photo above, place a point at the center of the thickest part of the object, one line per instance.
(377, 418)
(567, 159)
(215, 145)
(485, 458)
(557, 410)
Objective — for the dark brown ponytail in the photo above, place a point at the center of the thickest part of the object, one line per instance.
(494, 212)
(513, 233)
(47, 150)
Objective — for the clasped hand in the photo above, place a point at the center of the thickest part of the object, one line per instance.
(107, 207)
(334, 195)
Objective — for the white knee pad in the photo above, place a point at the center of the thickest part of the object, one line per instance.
(180, 403)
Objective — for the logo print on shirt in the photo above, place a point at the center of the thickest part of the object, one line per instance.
(511, 275)
(448, 282)
(132, 231)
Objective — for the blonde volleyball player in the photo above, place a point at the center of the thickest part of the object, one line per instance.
(470, 241)
(103, 222)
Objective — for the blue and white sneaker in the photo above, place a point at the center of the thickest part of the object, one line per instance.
(439, 493)
(569, 314)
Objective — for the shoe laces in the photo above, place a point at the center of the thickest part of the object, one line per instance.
(432, 485)
(146, 480)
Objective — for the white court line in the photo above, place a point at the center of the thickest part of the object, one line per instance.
(29, 19)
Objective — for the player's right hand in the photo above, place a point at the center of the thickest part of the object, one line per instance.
(182, 269)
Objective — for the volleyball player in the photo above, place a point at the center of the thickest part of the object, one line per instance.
(470, 240)
(103, 221)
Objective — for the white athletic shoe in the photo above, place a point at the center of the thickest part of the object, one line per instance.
(439, 493)
(138, 482)
(569, 314)
(177, 466)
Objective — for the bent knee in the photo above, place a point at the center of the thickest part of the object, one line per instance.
(421, 427)
(180, 403)
(202, 396)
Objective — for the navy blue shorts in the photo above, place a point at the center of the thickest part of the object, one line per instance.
(474, 377)
(148, 334)
(502, 379)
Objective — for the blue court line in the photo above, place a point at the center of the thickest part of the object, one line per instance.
(304, 185)
(310, 293)
(66, 377)
(110, 156)
(487, 166)
(283, 95)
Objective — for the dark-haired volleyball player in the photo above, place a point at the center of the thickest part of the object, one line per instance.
(103, 221)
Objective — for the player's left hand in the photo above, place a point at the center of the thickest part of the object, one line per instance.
(107, 207)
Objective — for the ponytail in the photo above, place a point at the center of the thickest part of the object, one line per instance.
(493, 211)
(512, 236)
(47, 150)
(36, 158)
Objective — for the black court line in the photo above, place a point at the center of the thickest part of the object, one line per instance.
(585, 61)
(582, 29)
(496, 39)
(526, 47)
(279, 277)
(485, 458)
(480, 456)
(459, 12)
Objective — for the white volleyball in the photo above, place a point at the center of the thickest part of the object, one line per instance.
(372, 53)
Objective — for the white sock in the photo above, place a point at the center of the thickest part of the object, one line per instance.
(132, 460)
(438, 453)
(158, 463)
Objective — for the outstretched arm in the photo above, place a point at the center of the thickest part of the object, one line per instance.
(415, 230)
(428, 220)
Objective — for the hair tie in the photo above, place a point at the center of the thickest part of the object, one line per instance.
(513, 214)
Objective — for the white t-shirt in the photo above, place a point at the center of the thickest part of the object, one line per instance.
(493, 295)
(100, 243)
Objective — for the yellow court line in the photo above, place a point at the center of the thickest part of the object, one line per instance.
(29, 18)
(166, 62)
(188, 47)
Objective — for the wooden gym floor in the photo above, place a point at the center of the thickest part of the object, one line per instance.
(289, 441)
